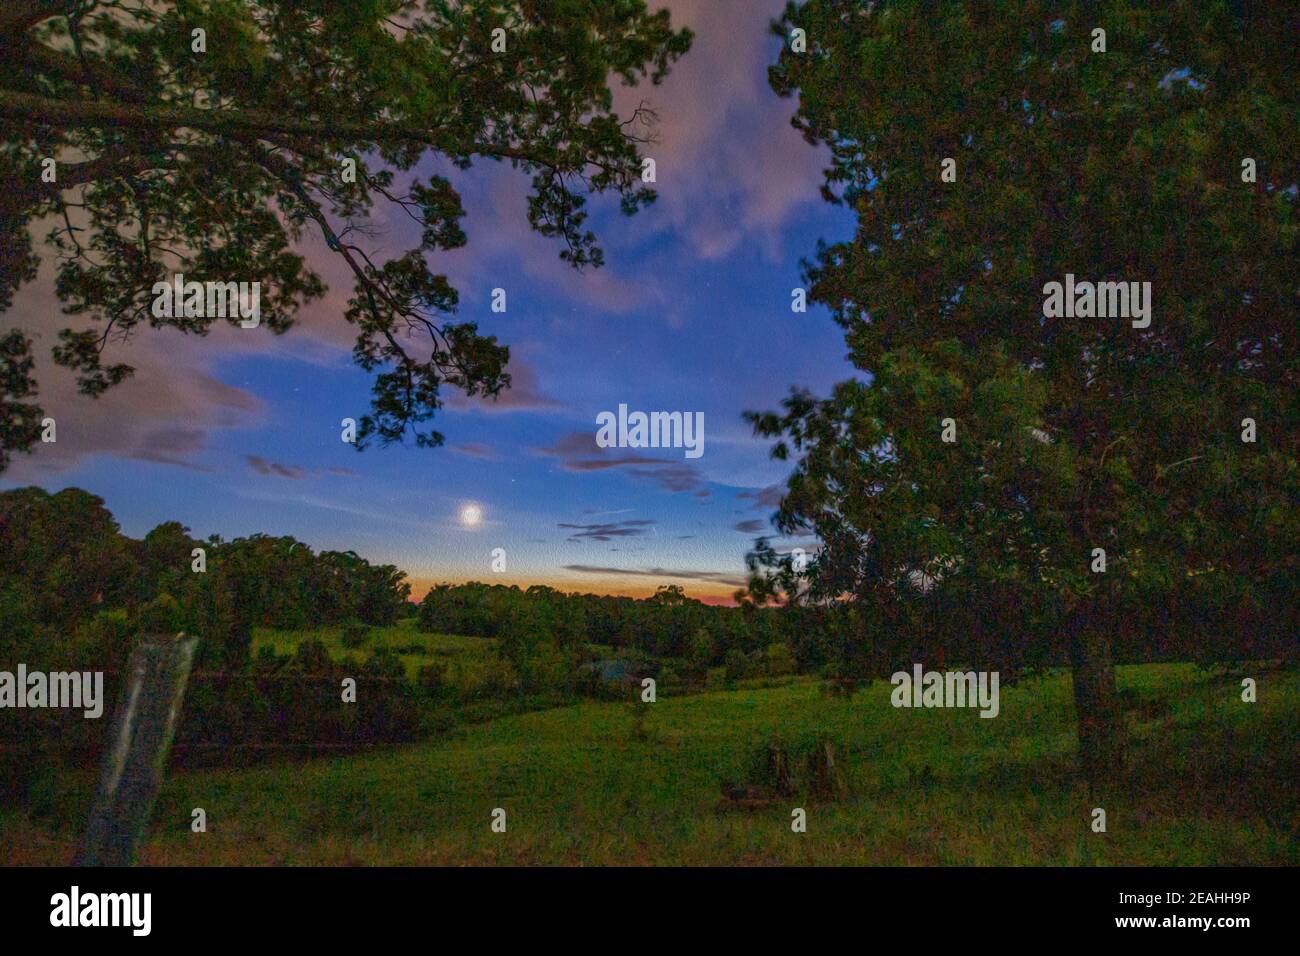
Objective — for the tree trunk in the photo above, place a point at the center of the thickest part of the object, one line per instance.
(1097, 709)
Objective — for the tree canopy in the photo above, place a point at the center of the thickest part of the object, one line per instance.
(993, 446)
(207, 137)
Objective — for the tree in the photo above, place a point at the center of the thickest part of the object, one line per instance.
(204, 137)
(1067, 434)
(62, 556)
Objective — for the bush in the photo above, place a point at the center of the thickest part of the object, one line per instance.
(499, 678)
(384, 663)
(162, 615)
(432, 678)
(700, 651)
(354, 634)
(736, 664)
(105, 640)
(779, 660)
(312, 657)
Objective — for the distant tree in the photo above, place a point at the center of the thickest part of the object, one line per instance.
(779, 660)
(162, 615)
(433, 678)
(737, 665)
(1071, 434)
(700, 652)
(62, 556)
(165, 557)
(204, 137)
(354, 634)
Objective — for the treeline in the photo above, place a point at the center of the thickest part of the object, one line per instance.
(71, 584)
(663, 625)
(76, 594)
(547, 636)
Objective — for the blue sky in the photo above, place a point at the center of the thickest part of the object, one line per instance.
(239, 433)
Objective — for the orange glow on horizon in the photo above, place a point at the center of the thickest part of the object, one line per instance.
(707, 592)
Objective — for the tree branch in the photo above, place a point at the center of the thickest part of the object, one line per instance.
(41, 110)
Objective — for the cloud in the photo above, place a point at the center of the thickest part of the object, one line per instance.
(277, 470)
(523, 395)
(728, 163)
(752, 526)
(475, 449)
(264, 467)
(607, 531)
(578, 452)
(571, 445)
(163, 415)
(769, 497)
(718, 577)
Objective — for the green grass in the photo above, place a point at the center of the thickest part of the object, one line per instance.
(1212, 780)
(464, 655)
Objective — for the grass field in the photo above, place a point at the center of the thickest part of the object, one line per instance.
(1212, 780)
(415, 647)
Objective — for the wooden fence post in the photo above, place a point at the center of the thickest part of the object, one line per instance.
(143, 724)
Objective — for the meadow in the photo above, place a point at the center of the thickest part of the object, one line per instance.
(463, 655)
(1211, 780)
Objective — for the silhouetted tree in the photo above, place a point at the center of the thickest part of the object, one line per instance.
(204, 137)
(1071, 434)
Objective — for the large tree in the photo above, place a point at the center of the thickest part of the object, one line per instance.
(204, 137)
(1117, 157)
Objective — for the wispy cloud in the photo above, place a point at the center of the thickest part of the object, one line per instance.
(578, 452)
(524, 395)
(476, 449)
(606, 531)
(718, 577)
(275, 469)
(769, 497)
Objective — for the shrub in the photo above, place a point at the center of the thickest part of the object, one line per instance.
(312, 657)
(736, 664)
(779, 660)
(432, 678)
(499, 678)
(162, 615)
(354, 634)
(105, 640)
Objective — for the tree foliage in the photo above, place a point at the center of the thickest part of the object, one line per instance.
(213, 163)
(1071, 433)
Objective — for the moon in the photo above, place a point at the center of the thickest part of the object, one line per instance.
(471, 515)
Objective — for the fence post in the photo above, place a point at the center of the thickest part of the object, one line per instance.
(143, 724)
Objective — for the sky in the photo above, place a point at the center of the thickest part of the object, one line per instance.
(239, 432)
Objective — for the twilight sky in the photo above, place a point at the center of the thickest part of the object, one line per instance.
(239, 432)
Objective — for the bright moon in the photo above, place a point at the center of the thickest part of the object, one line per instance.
(471, 515)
